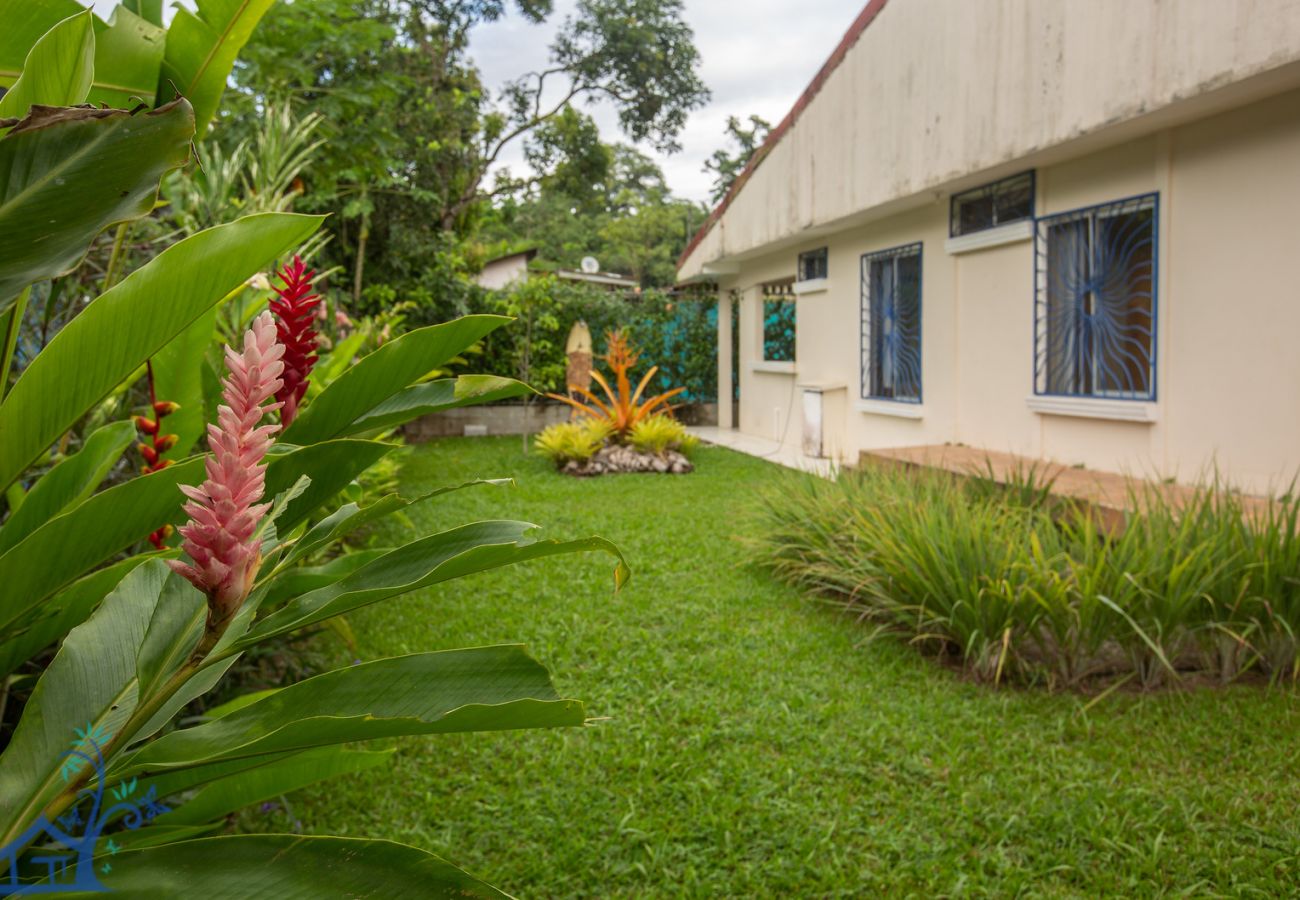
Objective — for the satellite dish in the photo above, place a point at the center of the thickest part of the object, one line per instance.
(590, 265)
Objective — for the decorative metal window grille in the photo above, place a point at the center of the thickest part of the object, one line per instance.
(1094, 304)
(891, 324)
(812, 264)
(1000, 203)
(778, 322)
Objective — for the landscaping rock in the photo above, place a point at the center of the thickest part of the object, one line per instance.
(614, 459)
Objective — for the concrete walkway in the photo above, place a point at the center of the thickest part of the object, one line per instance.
(787, 453)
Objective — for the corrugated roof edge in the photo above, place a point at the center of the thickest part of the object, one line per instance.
(869, 12)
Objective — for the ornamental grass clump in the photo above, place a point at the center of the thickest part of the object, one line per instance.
(225, 510)
(1011, 583)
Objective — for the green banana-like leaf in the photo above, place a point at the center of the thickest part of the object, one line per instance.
(130, 322)
(350, 517)
(450, 554)
(288, 867)
(330, 466)
(69, 545)
(64, 612)
(128, 48)
(66, 174)
(234, 792)
(435, 396)
(68, 483)
(201, 50)
(178, 371)
(479, 689)
(151, 10)
(58, 71)
(394, 366)
(309, 578)
(89, 685)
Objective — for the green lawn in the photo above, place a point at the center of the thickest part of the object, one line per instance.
(755, 745)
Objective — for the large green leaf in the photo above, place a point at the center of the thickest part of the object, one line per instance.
(234, 792)
(394, 366)
(71, 544)
(90, 685)
(68, 483)
(128, 57)
(435, 396)
(68, 173)
(287, 867)
(25, 23)
(128, 48)
(480, 689)
(58, 71)
(64, 612)
(350, 517)
(201, 50)
(179, 370)
(129, 323)
(430, 560)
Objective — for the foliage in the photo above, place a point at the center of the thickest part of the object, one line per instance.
(659, 433)
(1012, 584)
(727, 164)
(412, 183)
(678, 332)
(138, 641)
(609, 201)
(881, 774)
(622, 409)
(571, 441)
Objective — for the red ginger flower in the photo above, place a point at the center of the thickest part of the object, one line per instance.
(294, 310)
(224, 512)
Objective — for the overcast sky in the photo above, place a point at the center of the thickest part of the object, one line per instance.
(757, 56)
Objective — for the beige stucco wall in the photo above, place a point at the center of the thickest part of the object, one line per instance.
(1228, 312)
(940, 93)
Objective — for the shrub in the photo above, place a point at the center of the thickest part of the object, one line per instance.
(622, 407)
(657, 434)
(1009, 582)
(571, 441)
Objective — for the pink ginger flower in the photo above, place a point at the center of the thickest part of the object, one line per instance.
(224, 511)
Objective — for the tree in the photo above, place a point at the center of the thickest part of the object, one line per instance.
(727, 165)
(415, 133)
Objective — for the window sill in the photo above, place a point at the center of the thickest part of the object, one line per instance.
(772, 367)
(812, 286)
(990, 237)
(897, 409)
(1095, 408)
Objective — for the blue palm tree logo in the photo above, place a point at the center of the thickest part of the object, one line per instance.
(59, 857)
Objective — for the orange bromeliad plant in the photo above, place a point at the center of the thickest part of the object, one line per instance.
(623, 407)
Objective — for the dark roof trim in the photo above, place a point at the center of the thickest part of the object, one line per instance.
(869, 13)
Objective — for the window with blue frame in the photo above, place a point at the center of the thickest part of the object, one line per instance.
(778, 322)
(1094, 304)
(891, 324)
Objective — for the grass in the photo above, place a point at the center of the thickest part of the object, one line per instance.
(758, 745)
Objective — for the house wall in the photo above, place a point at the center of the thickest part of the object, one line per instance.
(1228, 314)
(934, 92)
(501, 273)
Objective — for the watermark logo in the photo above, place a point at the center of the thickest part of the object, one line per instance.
(60, 856)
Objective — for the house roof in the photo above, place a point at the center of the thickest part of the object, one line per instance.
(865, 18)
(528, 253)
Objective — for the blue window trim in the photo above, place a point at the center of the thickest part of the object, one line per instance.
(916, 248)
(1041, 224)
(955, 198)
